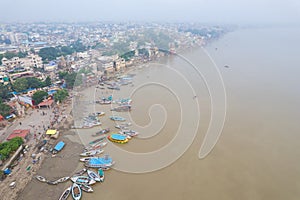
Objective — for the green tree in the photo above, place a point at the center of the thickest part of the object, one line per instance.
(6, 148)
(73, 79)
(128, 55)
(66, 50)
(61, 95)
(20, 84)
(47, 81)
(22, 54)
(5, 109)
(78, 46)
(62, 74)
(39, 96)
(32, 50)
(4, 92)
(10, 55)
(1, 56)
(34, 82)
(49, 53)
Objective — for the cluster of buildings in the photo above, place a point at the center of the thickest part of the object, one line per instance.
(105, 44)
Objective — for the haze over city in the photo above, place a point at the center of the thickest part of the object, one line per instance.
(215, 11)
(149, 99)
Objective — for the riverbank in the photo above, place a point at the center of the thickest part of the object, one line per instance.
(37, 121)
(52, 168)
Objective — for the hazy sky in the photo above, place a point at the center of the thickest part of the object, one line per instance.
(219, 11)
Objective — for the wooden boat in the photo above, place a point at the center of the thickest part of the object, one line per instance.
(126, 124)
(79, 173)
(92, 152)
(85, 159)
(52, 182)
(118, 138)
(83, 180)
(101, 174)
(63, 179)
(100, 113)
(130, 133)
(113, 87)
(123, 108)
(76, 191)
(100, 162)
(103, 102)
(103, 131)
(105, 168)
(121, 127)
(58, 147)
(95, 146)
(117, 118)
(41, 178)
(65, 194)
(93, 175)
(96, 141)
(86, 188)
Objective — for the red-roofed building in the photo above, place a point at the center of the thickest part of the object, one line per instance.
(23, 133)
(48, 103)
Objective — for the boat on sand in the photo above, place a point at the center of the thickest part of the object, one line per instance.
(117, 118)
(85, 159)
(41, 178)
(92, 152)
(65, 194)
(63, 179)
(86, 188)
(83, 180)
(79, 173)
(93, 175)
(76, 191)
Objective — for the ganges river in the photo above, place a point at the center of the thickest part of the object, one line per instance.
(248, 81)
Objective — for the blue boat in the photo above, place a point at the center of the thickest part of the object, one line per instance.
(100, 162)
(58, 147)
(117, 118)
(118, 137)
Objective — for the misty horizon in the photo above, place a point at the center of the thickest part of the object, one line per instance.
(225, 12)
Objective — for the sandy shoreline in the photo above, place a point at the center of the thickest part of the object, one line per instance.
(52, 168)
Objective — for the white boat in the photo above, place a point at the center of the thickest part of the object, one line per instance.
(100, 113)
(52, 182)
(96, 146)
(130, 133)
(85, 159)
(76, 192)
(65, 194)
(117, 118)
(83, 180)
(63, 179)
(86, 188)
(102, 132)
(41, 178)
(92, 152)
(93, 175)
(79, 173)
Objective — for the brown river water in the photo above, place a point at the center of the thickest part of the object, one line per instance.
(180, 100)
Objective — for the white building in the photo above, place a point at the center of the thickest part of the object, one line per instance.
(28, 62)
